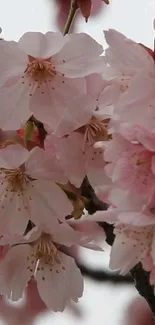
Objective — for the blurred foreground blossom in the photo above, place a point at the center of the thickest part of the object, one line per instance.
(138, 313)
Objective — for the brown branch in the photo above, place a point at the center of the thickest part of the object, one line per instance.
(140, 277)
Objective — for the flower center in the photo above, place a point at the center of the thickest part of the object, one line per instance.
(40, 70)
(94, 131)
(16, 178)
(46, 250)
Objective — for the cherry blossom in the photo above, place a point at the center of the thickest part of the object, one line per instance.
(79, 160)
(131, 165)
(133, 218)
(28, 188)
(45, 254)
(125, 60)
(80, 130)
(124, 54)
(133, 65)
(41, 256)
(40, 72)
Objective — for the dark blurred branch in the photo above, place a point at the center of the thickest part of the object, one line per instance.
(142, 285)
(140, 277)
(103, 276)
(93, 205)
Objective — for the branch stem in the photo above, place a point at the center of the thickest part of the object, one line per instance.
(70, 17)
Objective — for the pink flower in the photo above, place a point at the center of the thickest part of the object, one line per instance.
(133, 64)
(134, 230)
(38, 75)
(124, 55)
(28, 189)
(131, 68)
(125, 59)
(97, 105)
(80, 130)
(131, 165)
(46, 255)
(41, 256)
(79, 159)
(131, 243)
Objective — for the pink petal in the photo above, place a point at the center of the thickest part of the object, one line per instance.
(109, 216)
(87, 226)
(15, 104)
(41, 45)
(40, 166)
(72, 158)
(54, 97)
(45, 202)
(80, 56)
(14, 274)
(12, 61)
(107, 98)
(125, 52)
(140, 88)
(140, 134)
(95, 85)
(50, 145)
(97, 176)
(147, 263)
(65, 235)
(136, 219)
(57, 286)
(125, 253)
(125, 200)
(13, 156)
(14, 215)
(80, 45)
(78, 112)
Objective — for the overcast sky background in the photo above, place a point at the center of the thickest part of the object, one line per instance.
(101, 303)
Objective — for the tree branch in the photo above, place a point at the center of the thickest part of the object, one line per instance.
(140, 277)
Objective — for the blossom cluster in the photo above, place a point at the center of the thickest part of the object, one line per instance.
(70, 111)
(130, 155)
(51, 118)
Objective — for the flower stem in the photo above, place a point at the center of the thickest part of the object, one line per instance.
(70, 17)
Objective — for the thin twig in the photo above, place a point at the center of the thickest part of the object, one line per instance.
(70, 17)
